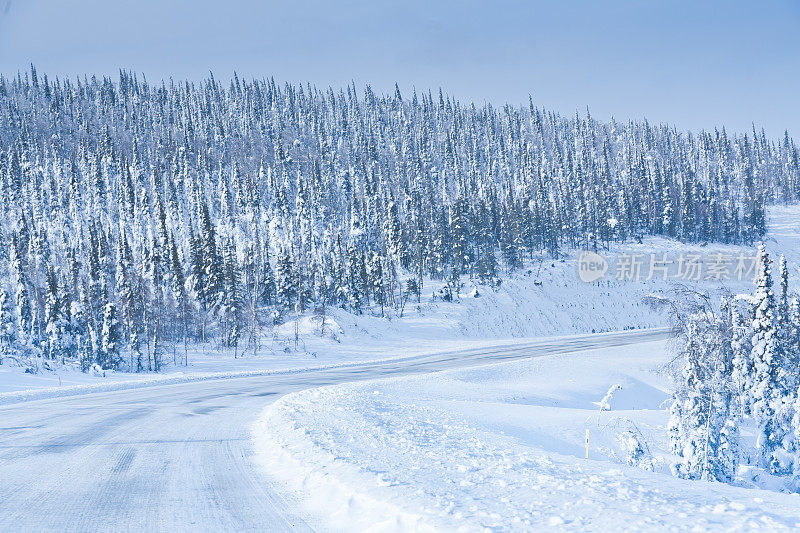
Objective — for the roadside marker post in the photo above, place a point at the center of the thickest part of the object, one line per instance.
(587, 443)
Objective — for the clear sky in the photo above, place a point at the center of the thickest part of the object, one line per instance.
(695, 64)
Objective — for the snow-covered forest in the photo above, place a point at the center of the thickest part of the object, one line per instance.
(139, 215)
(740, 363)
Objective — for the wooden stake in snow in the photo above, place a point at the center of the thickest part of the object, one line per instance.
(587, 443)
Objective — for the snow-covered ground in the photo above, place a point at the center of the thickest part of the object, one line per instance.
(179, 457)
(501, 447)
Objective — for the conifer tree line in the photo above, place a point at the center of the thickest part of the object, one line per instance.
(137, 216)
(741, 366)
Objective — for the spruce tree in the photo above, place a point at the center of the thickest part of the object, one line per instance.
(783, 297)
(702, 428)
(286, 286)
(459, 231)
(6, 325)
(211, 263)
(53, 317)
(109, 357)
(231, 307)
(355, 282)
(377, 281)
(768, 362)
(178, 286)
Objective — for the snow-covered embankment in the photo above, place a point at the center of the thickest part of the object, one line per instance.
(501, 446)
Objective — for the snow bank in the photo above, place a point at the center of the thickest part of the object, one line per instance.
(500, 447)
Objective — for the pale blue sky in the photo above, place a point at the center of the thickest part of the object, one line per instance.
(695, 64)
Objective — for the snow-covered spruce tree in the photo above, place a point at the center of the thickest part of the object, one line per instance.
(196, 279)
(783, 297)
(742, 374)
(486, 264)
(770, 370)
(82, 328)
(510, 234)
(24, 312)
(688, 230)
(791, 442)
(109, 357)
(393, 230)
(377, 282)
(355, 282)
(460, 237)
(179, 296)
(668, 213)
(286, 287)
(155, 309)
(251, 294)
(793, 333)
(231, 307)
(786, 457)
(53, 318)
(265, 279)
(7, 334)
(211, 262)
(702, 429)
(129, 290)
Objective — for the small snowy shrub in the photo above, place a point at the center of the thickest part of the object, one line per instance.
(634, 450)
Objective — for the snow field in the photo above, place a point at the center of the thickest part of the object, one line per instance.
(500, 448)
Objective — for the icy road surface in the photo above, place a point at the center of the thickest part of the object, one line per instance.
(180, 457)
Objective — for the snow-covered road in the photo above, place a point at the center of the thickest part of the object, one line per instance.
(180, 457)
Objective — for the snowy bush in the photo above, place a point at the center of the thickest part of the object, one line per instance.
(635, 452)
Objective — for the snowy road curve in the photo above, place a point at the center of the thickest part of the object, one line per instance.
(179, 457)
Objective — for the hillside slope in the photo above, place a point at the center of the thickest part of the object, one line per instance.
(505, 446)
